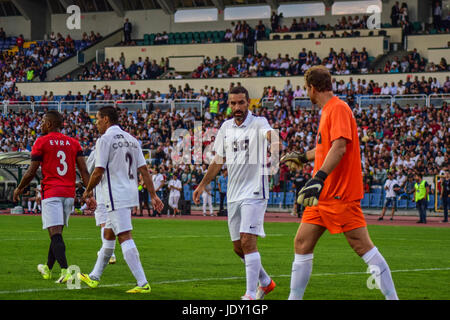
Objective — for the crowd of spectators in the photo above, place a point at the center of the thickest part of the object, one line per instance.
(34, 61)
(112, 69)
(392, 139)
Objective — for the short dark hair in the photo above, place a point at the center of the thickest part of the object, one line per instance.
(319, 77)
(239, 90)
(55, 118)
(111, 113)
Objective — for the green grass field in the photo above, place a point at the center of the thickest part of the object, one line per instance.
(190, 260)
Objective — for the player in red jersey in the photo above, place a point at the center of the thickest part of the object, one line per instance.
(58, 155)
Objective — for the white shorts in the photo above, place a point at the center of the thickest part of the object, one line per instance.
(173, 201)
(246, 216)
(119, 220)
(101, 215)
(56, 211)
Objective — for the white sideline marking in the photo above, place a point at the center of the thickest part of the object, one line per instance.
(211, 279)
(143, 238)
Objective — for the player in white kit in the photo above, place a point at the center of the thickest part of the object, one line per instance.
(174, 195)
(119, 157)
(101, 214)
(242, 143)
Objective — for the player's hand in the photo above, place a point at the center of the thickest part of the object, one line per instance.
(87, 195)
(294, 160)
(17, 193)
(157, 203)
(198, 191)
(309, 195)
(91, 203)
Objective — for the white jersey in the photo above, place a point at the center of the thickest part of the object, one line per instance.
(177, 184)
(120, 154)
(245, 150)
(90, 163)
(390, 193)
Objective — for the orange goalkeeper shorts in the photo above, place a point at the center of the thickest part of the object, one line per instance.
(337, 216)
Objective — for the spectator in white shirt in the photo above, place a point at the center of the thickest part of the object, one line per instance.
(385, 90)
(391, 187)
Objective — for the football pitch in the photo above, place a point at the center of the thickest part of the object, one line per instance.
(194, 260)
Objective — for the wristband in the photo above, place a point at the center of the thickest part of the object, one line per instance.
(321, 175)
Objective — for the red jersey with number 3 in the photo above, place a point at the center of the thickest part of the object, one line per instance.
(57, 154)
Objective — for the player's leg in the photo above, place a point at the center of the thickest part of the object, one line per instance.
(361, 243)
(304, 243)
(101, 218)
(252, 226)
(386, 203)
(204, 198)
(394, 205)
(131, 256)
(209, 198)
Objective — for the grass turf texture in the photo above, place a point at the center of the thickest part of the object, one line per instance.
(185, 259)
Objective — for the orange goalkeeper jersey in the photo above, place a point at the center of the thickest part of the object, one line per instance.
(345, 181)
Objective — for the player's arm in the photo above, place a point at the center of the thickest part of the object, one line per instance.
(310, 193)
(82, 167)
(26, 179)
(213, 170)
(335, 155)
(94, 180)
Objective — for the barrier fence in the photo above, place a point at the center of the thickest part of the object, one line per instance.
(93, 106)
(404, 101)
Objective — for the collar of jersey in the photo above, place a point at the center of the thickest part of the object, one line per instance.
(246, 121)
(113, 127)
(329, 102)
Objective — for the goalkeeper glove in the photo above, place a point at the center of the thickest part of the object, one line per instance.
(310, 193)
(294, 160)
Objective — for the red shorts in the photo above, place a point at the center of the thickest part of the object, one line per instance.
(337, 216)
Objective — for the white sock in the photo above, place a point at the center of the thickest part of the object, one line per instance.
(39, 207)
(264, 278)
(102, 235)
(301, 272)
(373, 258)
(103, 258)
(252, 269)
(131, 256)
(34, 206)
(29, 205)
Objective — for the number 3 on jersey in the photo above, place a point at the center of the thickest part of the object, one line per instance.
(62, 160)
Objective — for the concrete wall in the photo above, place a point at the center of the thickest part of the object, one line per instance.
(254, 85)
(373, 45)
(153, 21)
(16, 25)
(185, 64)
(228, 50)
(423, 42)
(436, 54)
(394, 33)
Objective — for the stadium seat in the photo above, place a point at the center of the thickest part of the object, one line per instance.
(402, 203)
(411, 204)
(375, 200)
(365, 201)
(376, 190)
(290, 198)
(278, 198)
(299, 36)
(430, 204)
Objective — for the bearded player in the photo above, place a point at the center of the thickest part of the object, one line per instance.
(332, 197)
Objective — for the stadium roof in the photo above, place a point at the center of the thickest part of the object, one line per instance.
(14, 7)
(15, 159)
